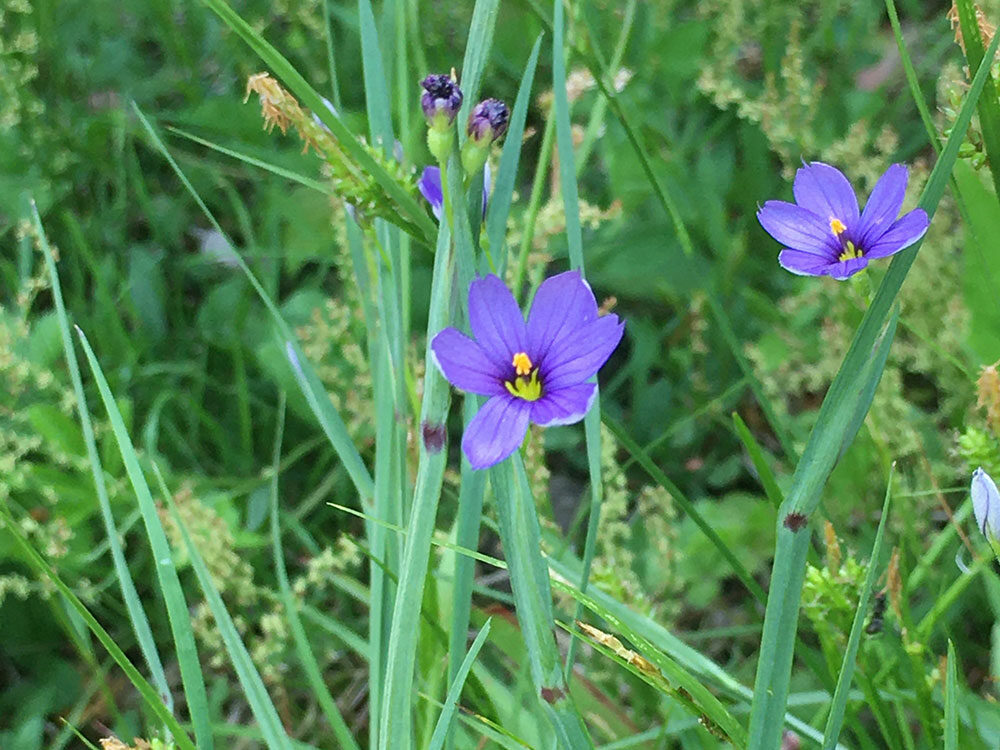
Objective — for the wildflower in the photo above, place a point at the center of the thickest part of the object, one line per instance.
(429, 185)
(824, 233)
(986, 505)
(487, 123)
(441, 100)
(535, 371)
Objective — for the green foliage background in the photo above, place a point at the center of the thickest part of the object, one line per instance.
(729, 96)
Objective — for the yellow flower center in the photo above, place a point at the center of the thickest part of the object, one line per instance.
(837, 226)
(850, 252)
(526, 384)
(522, 363)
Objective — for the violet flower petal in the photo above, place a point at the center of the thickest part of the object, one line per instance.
(803, 264)
(496, 321)
(465, 365)
(576, 358)
(903, 233)
(496, 431)
(429, 186)
(799, 229)
(843, 269)
(562, 304)
(564, 405)
(883, 205)
(826, 192)
(986, 503)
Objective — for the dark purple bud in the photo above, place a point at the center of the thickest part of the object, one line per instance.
(441, 100)
(488, 121)
(434, 435)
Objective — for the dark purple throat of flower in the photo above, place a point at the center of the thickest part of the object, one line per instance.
(525, 383)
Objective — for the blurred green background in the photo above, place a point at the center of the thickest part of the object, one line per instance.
(729, 95)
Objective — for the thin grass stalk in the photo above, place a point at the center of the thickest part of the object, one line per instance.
(529, 579)
(314, 676)
(823, 449)
(396, 709)
(988, 102)
(166, 574)
(441, 730)
(951, 700)
(838, 707)
(254, 691)
(574, 239)
(133, 606)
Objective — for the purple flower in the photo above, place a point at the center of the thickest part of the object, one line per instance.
(986, 504)
(429, 186)
(823, 231)
(441, 100)
(488, 121)
(535, 371)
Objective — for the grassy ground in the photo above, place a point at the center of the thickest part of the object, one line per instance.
(220, 522)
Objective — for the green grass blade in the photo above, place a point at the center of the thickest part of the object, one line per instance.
(166, 573)
(411, 210)
(330, 57)
(756, 453)
(398, 690)
(302, 648)
(467, 527)
(136, 613)
(455, 691)
(330, 420)
(477, 51)
(951, 700)
(250, 680)
(911, 76)
(837, 420)
(309, 182)
(988, 103)
(498, 210)
(822, 450)
(529, 578)
(375, 86)
(147, 691)
(574, 238)
(838, 707)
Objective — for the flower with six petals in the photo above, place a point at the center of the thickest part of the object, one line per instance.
(535, 371)
(825, 234)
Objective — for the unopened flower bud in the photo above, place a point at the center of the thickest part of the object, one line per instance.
(487, 123)
(986, 505)
(441, 100)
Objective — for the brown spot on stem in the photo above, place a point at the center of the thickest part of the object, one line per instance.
(433, 434)
(795, 520)
(553, 694)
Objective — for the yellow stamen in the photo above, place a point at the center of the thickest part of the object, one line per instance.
(522, 363)
(527, 388)
(837, 226)
(850, 252)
